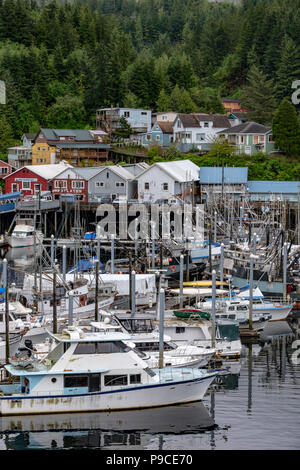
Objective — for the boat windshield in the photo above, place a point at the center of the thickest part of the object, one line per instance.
(228, 332)
(137, 325)
(22, 234)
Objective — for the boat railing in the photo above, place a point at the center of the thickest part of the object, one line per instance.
(278, 300)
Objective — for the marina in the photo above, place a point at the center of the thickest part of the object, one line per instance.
(186, 344)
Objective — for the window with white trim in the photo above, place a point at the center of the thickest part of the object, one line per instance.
(78, 184)
(60, 184)
(25, 184)
(119, 184)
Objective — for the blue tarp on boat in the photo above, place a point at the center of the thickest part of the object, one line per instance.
(85, 265)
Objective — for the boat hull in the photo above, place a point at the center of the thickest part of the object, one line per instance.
(17, 242)
(147, 396)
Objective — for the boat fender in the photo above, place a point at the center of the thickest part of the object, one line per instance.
(173, 268)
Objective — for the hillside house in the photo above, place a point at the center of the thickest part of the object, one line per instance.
(161, 134)
(250, 138)
(198, 130)
(108, 119)
(76, 146)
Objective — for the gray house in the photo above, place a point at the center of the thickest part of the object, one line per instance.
(110, 183)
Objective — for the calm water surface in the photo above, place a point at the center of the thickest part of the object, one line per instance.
(255, 406)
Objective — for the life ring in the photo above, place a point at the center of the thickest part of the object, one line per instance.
(173, 268)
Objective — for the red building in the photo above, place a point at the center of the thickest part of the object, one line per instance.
(33, 178)
(72, 181)
(5, 169)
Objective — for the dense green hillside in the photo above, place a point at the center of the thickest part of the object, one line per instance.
(61, 61)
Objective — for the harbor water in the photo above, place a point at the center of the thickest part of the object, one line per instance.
(255, 406)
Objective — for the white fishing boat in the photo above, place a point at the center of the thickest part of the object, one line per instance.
(90, 371)
(236, 307)
(83, 297)
(199, 332)
(24, 235)
(146, 340)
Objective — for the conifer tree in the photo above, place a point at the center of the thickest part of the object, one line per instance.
(258, 97)
(286, 129)
(289, 68)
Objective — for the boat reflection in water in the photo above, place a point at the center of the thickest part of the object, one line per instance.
(123, 429)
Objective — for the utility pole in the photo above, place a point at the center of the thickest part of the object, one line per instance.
(161, 328)
(5, 285)
(213, 312)
(96, 291)
(54, 304)
(181, 282)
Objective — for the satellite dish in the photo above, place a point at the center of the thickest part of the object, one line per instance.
(107, 320)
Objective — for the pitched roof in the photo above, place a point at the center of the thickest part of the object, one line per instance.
(247, 128)
(195, 119)
(188, 120)
(30, 136)
(231, 100)
(46, 171)
(119, 170)
(78, 134)
(179, 170)
(166, 127)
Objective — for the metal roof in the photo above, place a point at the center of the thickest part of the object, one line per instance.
(119, 170)
(279, 187)
(250, 127)
(213, 175)
(47, 171)
(179, 170)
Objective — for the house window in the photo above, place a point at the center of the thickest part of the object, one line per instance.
(4, 170)
(200, 137)
(143, 113)
(147, 186)
(206, 124)
(119, 184)
(179, 124)
(99, 184)
(157, 137)
(187, 136)
(44, 148)
(78, 184)
(270, 138)
(115, 380)
(60, 184)
(165, 186)
(25, 184)
(107, 175)
(148, 137)
(15, 187)
(126, 114)
(37, 188)
(241, 139)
